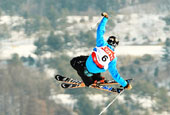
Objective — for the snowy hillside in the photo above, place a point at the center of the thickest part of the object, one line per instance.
(38, 38)
(131, 29)
(141, 28)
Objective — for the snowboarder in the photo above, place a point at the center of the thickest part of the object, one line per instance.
(103, 58)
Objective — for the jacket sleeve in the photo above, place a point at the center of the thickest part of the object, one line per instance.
(100, 32)
(115, 75)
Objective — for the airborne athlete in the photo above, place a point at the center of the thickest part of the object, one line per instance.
(102, 58)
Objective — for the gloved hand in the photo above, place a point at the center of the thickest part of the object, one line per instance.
(128, 87)
(105, 14)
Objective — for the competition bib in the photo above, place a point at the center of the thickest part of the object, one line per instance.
(102, 56)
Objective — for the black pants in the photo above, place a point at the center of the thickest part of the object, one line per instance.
(79, 64)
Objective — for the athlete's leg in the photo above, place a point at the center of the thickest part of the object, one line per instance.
(78, 63)
(97, 77)
(87, 80)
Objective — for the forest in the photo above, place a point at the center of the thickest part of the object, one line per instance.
(27, 89)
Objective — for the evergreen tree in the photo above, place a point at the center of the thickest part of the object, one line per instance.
(84, 106)
(167, 19)
(55, 42)
(40, 44)
(166, 55)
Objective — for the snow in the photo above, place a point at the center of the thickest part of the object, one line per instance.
(145, 102)
(83, 26)
(139, 50)
(140, 26)
(18, 43)
(134, 25)
(65, 99)
(155, 50)
(12, 20)
(50, 72)
(24, 47)
(97, 99)
(71, 19)
(100, 99)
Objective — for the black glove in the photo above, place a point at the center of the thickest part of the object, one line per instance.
(105, 14)
(128, 87)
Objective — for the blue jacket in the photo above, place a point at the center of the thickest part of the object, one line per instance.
(93, 68)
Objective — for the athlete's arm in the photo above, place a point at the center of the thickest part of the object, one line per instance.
(115, 74)
(100, 32)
